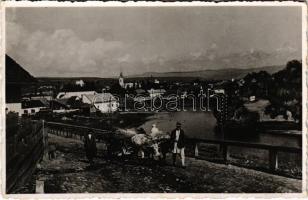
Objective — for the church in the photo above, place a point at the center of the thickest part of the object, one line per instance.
(127, 85)
(121, 80)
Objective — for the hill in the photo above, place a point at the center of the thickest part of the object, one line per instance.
(16, 79)
(220, 74)
(14, 73)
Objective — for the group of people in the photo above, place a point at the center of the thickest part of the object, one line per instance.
(177, 144)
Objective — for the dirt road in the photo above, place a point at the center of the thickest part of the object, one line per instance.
(71, 173)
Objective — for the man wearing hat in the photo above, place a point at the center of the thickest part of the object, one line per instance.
(90, 146)
(178, 141)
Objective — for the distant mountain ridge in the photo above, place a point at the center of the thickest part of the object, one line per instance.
(213, 74)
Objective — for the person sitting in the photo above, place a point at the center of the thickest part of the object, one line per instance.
(154, 129)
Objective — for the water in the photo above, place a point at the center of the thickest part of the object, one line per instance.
(202, 124)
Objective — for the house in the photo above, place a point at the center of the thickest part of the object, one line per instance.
(29, 96)
(219, 91)
(252, 98)
(47, 97)
(241, 82)
(80, 83)
(33, 106)
(65, 105)
(104, 102)
(210, 85)
(140, 91)
(59, 105)
(16, 79)
(184, 94)
(79, 94)
(45, 90)
(129, 85)
(156, 92)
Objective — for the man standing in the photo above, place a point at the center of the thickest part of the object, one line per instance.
(90, 146)
(178, 141)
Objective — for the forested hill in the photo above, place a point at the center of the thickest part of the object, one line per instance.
(282, 89)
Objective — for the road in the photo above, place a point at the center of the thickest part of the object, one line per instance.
(71, 173)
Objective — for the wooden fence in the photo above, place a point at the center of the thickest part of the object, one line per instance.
(23, 152)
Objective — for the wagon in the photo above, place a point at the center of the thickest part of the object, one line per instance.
(123, 142)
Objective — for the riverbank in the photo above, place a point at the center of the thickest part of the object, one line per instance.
(70, 173)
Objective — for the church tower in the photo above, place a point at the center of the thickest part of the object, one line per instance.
(121, 80)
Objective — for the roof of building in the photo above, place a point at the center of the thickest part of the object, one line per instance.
(62, 102)
(15, 78)
(157, 90)
(76, 93)
(15, 74)
(101, 98)
(72, 102)
(140, 91)
(35, 103)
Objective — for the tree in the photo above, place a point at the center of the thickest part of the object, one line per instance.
(286, 91)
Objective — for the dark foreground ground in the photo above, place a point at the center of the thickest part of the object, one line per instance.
(70, 173)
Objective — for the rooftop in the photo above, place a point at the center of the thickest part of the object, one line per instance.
(100, 98)
(15, 74)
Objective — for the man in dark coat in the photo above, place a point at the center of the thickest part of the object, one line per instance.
(178, 142)
(90, 146)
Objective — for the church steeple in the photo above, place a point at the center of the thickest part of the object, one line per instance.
(121, 80)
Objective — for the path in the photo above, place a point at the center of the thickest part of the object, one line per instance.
(70, 173)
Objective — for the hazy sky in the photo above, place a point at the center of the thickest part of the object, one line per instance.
(102, 42)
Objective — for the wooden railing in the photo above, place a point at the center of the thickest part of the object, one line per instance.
(226, 144)
(73, 131)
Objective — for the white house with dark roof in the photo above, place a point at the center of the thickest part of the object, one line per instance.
(32, 106)
(156, 92)
(65, 95)
(104, 102)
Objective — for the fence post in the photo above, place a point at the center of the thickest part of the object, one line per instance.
(45, 141)
(273, 159)
(225, 152)
(196, 150)
(39, 187)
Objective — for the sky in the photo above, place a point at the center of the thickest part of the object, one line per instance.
(102, 42)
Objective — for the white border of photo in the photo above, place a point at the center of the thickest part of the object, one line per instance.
(42, 4)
